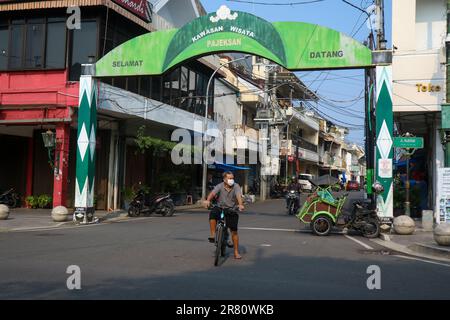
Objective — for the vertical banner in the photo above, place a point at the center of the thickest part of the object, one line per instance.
(443, 196)
(86, 143)
(384, 142)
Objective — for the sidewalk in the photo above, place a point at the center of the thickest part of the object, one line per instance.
(23, 219)
(421, 244)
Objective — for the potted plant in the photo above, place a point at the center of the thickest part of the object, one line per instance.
(44, 201)
(32, 202)
(128, 194)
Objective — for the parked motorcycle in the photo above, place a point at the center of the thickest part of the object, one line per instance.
(10, 198)
(147, 204)
(293, 200)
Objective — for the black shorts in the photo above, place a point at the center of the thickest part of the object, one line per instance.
(231, 219)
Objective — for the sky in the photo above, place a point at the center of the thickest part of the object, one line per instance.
(342, 89)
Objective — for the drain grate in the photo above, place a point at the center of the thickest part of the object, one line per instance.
(381, 252)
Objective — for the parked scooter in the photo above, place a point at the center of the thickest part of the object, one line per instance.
(10, 198)
(147, 204)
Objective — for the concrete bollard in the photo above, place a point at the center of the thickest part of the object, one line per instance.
(59, 214)
(4, 212)
(404, 225)
(442, 234)
(427, 220)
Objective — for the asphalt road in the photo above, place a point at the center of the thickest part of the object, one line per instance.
(170, 258)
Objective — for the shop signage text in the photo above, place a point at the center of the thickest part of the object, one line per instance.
(428, 88)
(141, 8)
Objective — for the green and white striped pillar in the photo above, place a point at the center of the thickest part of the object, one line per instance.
(86, 142)
(384, 142)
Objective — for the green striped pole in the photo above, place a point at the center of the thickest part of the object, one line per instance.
(384, 142)
(86, 142)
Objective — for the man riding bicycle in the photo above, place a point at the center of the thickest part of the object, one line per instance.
(229, 195)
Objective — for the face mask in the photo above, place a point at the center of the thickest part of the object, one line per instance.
(230, 182)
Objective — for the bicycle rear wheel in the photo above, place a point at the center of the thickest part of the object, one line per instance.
(219, 241)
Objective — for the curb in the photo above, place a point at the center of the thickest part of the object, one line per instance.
(407, 250)
(431, 250)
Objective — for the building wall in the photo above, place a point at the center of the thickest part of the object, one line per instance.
(419, 33)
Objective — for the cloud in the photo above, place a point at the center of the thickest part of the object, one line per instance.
(224, 13)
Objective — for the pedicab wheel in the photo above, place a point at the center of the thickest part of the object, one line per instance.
(372, 228)
(321, 225)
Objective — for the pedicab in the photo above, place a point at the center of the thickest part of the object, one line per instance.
(323, 211)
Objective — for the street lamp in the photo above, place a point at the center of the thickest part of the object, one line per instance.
(205, 165)
(409, 153)
(49, 139)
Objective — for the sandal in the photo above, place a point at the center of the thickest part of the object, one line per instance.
(211, 240)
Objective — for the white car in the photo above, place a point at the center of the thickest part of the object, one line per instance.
(303, 179)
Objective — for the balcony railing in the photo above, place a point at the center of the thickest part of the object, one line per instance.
(302, 143)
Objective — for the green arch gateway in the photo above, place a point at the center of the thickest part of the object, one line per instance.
(293, 45)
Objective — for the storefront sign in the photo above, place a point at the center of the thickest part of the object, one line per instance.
(428, 87)
(443, 195)
(141, 8)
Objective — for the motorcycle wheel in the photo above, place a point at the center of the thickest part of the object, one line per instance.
(133, 211)
(12, 203)
(291, 210)
(371, 229)
(167, 209)
(321, 225)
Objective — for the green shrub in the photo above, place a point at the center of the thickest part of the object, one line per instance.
(44, 201)
(32, 201)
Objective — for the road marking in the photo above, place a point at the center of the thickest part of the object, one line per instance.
(418, 259)
(266, 245)
(61, 227)
(270, 229)
(359, 242)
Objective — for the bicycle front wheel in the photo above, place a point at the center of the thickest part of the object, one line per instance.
(219, 241)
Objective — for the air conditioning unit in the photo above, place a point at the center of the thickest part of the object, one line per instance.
(264, 115)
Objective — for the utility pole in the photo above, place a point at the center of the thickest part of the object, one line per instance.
(381, 41)
(265, 129)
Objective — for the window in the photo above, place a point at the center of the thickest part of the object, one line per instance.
(34, 48)
(84, 47)
(55, 53)
(133, 84)
(4, 34)
(16, 44)
(184, 81)
(175, 92)
(120, 82)
(156, 88)
(192, 91)
(37, 43)
(144, 88)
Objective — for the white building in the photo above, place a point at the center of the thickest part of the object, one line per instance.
(419, 30)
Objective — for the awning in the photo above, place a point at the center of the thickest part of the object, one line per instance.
(227, 167)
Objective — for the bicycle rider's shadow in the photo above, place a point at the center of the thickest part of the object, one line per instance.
(230, 255)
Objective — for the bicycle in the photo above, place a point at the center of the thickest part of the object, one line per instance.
(221, 237)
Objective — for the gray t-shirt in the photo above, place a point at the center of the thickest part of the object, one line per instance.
(225, 198)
